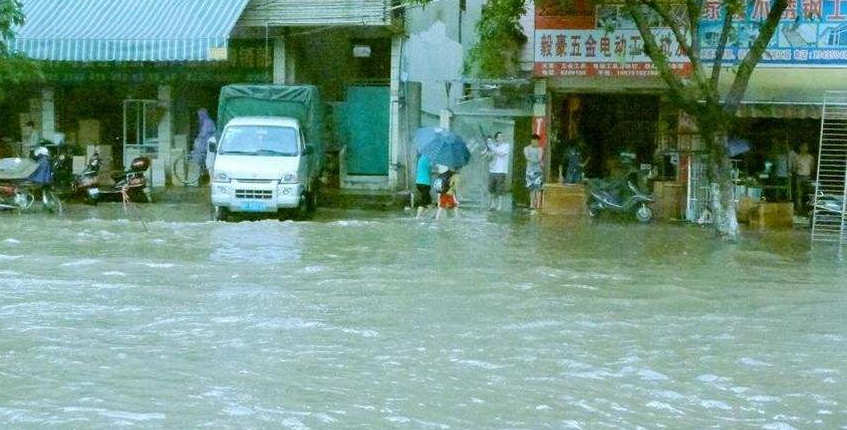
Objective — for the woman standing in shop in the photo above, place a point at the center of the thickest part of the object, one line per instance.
(534, 176)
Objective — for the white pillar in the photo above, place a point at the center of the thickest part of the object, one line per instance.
(165, 135)
(539, 105)
(445, 118)
(395, 142)
(279, 61)
(283, 62)
(48, 114)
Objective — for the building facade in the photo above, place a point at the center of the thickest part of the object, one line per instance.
(128, 77)
(593, 82)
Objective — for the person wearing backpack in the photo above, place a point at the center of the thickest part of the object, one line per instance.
(447, 184)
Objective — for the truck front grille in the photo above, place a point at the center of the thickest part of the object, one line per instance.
(254, 194)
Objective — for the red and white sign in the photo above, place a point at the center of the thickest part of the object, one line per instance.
(586, 46)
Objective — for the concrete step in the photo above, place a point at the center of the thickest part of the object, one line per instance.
(362, 199)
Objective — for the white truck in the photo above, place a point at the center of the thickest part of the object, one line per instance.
(267, 158)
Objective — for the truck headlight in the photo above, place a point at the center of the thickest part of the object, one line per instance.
(289, 178)
(220, 176)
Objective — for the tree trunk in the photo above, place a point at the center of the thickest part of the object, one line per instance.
(723, 205)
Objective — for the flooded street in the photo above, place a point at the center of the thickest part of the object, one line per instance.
(375, 320)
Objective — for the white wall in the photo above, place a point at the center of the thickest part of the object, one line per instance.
(439, 37)
(432, 58)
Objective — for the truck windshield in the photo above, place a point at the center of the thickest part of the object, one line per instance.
(259, 140)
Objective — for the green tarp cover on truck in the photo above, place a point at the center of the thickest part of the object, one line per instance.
(301, 102)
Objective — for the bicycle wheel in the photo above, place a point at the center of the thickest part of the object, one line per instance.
(186, 171)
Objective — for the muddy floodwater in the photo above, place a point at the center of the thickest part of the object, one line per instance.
(363, 320)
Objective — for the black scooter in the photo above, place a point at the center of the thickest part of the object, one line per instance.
(620, 196)
(129, 184)
(67, 184)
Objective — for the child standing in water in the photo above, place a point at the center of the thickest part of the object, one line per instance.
(448, 181)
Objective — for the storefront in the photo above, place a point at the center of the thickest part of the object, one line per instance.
(600, 95)
(132, 84)
(594, 84)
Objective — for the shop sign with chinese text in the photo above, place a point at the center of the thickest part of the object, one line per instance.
(603, 43)
(811, 33)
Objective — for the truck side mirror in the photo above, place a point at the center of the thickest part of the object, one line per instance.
(309, 149)
(213, 145)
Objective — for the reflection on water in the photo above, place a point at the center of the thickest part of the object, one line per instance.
(379, 321)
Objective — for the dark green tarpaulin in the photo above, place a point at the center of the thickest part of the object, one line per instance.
(301, 102)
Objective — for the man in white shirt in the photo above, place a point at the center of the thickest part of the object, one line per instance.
(498, 168)
(804, 163)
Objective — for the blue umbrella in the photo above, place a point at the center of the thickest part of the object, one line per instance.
(737, 146)
(442, 147)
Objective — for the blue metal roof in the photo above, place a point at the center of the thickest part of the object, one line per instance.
(127, 30)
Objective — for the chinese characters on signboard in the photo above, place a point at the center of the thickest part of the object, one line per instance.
(597, 52)
(811, 33)
(605, 42)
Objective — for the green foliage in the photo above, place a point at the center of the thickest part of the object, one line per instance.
(14, 68)
(500, 38)
(11, 16)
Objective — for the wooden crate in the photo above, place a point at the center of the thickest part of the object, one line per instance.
(745, 207)
(669, 199)
(563, 199)
(772, 216)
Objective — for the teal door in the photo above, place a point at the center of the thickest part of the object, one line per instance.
(367, 115)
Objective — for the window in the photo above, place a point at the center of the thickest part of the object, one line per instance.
(260, 140)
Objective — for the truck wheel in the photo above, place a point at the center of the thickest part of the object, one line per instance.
(312, 198)
(219, 213)
(285, 214)
(309, 205)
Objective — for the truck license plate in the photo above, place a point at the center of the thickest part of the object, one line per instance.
(253, 206)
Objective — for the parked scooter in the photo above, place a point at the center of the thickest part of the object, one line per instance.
(65, 183)
(130, 184)
(24, 180)
(829, 204)
(87, 179)
(619, 196)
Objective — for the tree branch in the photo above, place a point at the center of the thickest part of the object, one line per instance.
(677, 32)
(676, 88)
(745, 69)
(720, 49)
(688, 48)
(694, 9)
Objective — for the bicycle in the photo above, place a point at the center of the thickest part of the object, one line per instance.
(186, 170)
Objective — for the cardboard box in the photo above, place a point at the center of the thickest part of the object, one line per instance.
(157, 173)
(669, 199)
(772, 216)
(563, 199)
(745, 206)
(89, 132)
(79, 164)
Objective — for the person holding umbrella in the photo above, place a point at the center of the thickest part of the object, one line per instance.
(442, 147)
(423, 182)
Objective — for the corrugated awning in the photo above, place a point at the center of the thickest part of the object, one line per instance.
(772, 110)
(786, 92)
(283, 13)
(127, 30)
